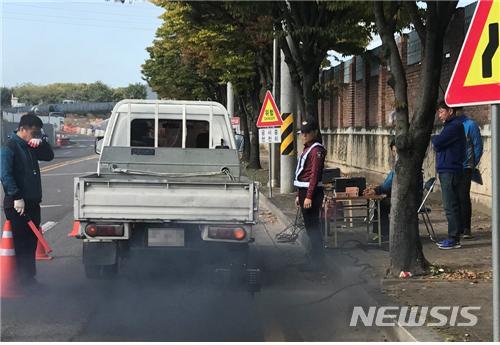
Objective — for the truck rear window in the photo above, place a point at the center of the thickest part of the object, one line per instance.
(169, 133)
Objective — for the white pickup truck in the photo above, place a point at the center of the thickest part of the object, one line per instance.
(168, 187)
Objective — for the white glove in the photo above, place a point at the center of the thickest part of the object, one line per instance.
(19, 206)
(34, 142)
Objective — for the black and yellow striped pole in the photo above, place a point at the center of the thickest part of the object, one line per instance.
(287, 148)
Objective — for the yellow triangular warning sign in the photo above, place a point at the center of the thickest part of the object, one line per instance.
(476, 77)
(269, 114)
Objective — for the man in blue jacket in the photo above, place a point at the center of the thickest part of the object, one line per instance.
(385, 204)
(473, 154)
(450, 154)
(20, 176)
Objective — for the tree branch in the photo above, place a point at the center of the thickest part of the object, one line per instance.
(385, 28)
(416, 20)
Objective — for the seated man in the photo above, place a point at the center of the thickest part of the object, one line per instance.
(385, 204)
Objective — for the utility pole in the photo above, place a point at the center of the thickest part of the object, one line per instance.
(288, 137)
(230, 99)
(275, 148)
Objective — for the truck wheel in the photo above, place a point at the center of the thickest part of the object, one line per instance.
(101, 271)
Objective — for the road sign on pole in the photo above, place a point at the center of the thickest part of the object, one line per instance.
(235, 123)
(476, 77)
(269, 114)
(270, 135)
(476, 80)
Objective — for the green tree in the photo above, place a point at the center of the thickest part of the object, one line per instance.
(98, 92)
(412, 132)
(237, 37)
(6, 95)
(168, 71)
(136, 91)
(310, 29)
(94, 92)
(202, 46)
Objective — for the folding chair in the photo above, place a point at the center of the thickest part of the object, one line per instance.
(424, 210)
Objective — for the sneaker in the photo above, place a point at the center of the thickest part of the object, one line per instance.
(374, 239)
(449, 244)
(467, 237)
(438, 243)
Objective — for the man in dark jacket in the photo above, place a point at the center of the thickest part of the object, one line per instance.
(473, 154)
(20, 176)
(450, 147)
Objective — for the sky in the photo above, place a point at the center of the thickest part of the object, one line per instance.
(48, 41)
(75, 41)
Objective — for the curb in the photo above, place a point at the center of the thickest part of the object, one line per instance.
(395, 333)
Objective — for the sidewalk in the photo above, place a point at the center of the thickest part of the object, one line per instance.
(462, 277)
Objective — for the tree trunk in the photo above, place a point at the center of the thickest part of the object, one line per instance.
(254, 162)
(245, 128)
(405, 246)
(309, 80)
(412, 138)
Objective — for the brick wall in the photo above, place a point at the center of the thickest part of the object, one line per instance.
(368, 102)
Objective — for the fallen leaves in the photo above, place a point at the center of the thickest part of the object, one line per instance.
(459, 274)
(268, 217)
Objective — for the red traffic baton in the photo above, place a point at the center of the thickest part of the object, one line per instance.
(39, 235)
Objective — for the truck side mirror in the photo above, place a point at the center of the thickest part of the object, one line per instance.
(98, 145)
(240, 142)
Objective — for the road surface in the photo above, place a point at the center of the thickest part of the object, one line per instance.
(167, 306)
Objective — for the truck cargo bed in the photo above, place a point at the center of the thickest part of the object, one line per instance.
(204, 200)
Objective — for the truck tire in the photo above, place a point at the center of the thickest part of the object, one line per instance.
(101, 271)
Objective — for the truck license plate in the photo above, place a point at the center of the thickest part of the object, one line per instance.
(165, 237)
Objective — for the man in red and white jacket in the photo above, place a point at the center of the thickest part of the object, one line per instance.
(308, 180)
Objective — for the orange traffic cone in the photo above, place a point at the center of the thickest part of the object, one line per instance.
(41, 254)
(76, 229)
(7, 263)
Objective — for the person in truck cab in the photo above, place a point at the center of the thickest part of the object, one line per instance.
(308, 177)
(20, 176)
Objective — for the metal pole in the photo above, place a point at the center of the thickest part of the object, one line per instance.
(275, 153)
(495, 142)
(270, 171)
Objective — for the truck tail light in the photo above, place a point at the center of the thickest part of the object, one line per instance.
(108, 230)
(239, 234)
(226, 233)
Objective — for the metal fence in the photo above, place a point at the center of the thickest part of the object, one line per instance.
(72, 108)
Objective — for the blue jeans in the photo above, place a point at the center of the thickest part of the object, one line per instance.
(451, 190)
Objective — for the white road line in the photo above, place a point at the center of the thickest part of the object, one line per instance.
(48, 225)
(49, 206)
